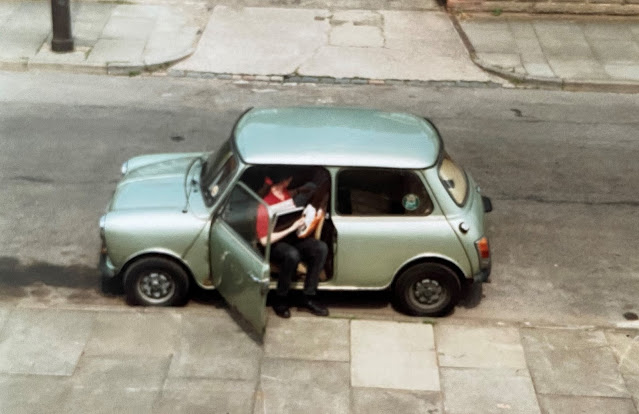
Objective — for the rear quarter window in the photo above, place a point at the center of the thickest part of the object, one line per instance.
(374, 192)
(454, 180)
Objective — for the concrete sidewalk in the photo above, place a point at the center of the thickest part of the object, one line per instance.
(417, 42)
(199, 360)
(320, 45)
(108, 37)
(562, 51)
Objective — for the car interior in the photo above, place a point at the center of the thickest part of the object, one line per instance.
(256, 179)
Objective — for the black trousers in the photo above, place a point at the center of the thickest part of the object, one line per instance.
(287, 253)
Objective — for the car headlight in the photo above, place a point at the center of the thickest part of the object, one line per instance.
(125, 167)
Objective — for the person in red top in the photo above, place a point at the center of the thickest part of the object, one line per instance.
(287, 249)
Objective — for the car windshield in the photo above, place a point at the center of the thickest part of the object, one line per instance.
(454, 179)
(217, 172)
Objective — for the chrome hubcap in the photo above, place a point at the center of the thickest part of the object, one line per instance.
(428, 292)
(156, 286)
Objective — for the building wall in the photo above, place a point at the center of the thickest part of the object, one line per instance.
(599, 7)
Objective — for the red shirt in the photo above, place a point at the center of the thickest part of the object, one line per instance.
(261, 224)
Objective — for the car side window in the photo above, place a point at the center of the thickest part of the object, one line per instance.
(381, 192)
(240, 213)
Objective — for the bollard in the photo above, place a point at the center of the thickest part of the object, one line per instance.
(61, 17)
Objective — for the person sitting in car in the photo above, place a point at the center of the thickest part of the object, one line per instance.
(288, 248)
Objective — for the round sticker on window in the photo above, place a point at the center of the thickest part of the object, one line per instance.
(410, 202)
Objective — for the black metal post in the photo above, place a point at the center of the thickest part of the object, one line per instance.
(61, 16)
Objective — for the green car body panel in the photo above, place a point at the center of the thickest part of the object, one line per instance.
(158, 209)
(145, 215)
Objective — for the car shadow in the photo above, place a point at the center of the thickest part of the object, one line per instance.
(16, 277)
(472, 294)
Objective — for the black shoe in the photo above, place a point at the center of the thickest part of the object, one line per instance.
(282, 310)
(315, 308)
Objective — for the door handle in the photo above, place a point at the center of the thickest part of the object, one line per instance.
(255, 278)
(264, 284)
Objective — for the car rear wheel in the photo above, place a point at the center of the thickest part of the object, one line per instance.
(427, 289)
(155, 281)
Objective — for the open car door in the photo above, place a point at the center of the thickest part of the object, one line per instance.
(239, 264)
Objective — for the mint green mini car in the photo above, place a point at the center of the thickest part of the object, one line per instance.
(401, 214)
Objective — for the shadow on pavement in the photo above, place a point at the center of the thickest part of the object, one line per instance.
(20, 280)
(472, 295)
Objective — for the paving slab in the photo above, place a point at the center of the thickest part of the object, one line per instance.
(487, 391)
(125, 384)
(625, 346)
(306, 338)
(379, 401)
(508, 61)
(608, 31)
(317, 386)
(4, 315)
(522, 30)
(98, 13)
(16, 46)
(215, 347)
(320, 43)
(632, 383)
(6, 10)
(541, 70)
(264, 41)
(119, 27)
(495, 41)
(560, 404)
(588, 69)
(393, 355)
(616, 51)
(26, 394)
(573, 51)
(357, 36)
(195, 395)
(630, 72)
(44, 342)
(128, 373)
(572, 362)
(479, 347)
(135, 333)
(103, 33)
(117, 50)
(144, 11)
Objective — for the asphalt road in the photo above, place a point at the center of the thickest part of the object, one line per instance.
(561, 168)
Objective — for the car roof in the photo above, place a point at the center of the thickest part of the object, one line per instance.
(336, 137)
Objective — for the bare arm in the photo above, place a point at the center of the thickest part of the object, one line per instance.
(279, 235)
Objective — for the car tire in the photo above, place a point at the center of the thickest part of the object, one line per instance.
(426, 289)
(156, 281)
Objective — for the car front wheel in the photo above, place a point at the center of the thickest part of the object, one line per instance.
(156, 281)
(427, 289)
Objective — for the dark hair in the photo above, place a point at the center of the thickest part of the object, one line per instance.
(277, 175)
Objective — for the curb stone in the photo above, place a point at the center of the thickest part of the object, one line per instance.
(110, 68)
(542, 82)
(324, 80)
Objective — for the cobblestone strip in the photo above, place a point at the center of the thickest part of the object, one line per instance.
(325, 80)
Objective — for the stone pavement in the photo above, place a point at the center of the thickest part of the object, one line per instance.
(199, 360)
(570, 50)
(326, 41)
(320, 45)
(108, 37)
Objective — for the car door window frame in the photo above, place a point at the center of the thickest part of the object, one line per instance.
(271, 224)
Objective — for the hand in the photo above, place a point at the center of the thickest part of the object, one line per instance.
(297, 224)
